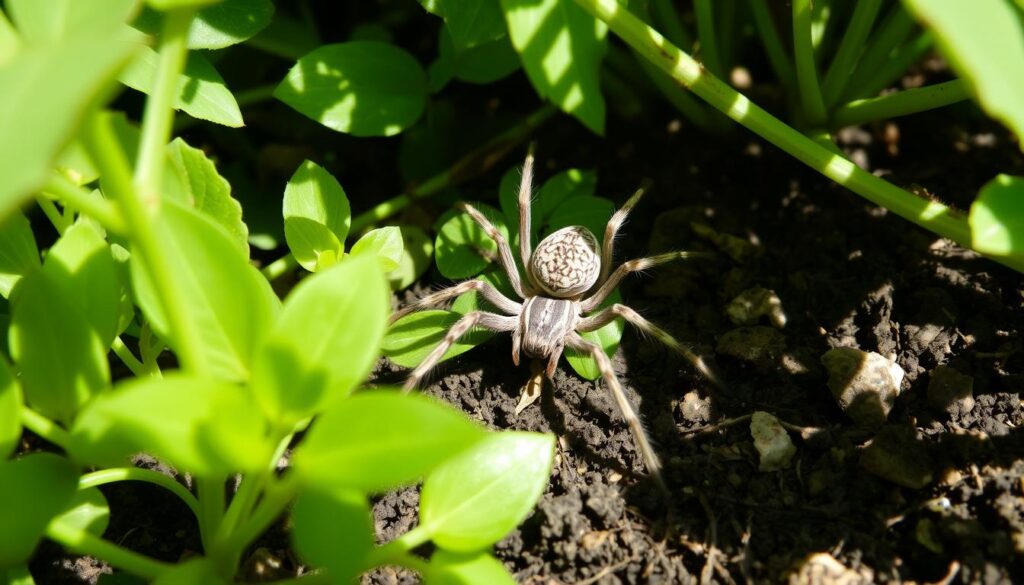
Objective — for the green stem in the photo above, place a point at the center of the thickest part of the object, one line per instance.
(777, 56)
(276, 497)
(895, 67)
(893, 31)
(709, 54)
(116, 474)
(901, 103)
(210, 492)
(857, 32)
(85, 202)
(806, 67)
(45, 428)
(59, 222)
(81, 541)
(689, 74)
(667, 19)
(397, 552)
(465, 168)
(314, 578)
(124, 353)
(255, 95)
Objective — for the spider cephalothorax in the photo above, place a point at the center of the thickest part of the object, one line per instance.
(554, 307)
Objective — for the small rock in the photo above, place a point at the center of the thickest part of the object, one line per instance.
(864, 383)
(823, 569)
(771, 441)
(950, 391)
(695, 409)
(738, 249)
(759, 344)
(896, 455)
(752, 304)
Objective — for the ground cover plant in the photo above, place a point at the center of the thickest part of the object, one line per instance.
(195, 310)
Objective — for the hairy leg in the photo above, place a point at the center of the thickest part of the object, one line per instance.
(606, 316)
(637, 265)
(438, 298)
(616, 221)
(525, 245)
(472, 319)
(504, 251)
(625, 408)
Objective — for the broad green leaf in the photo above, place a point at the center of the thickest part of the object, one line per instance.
(608, 337)
(201, 92)
(473, 500)
(18, 252)
(384, 244)
(193, 180)
(204, 426)
(334, 530)
(316, 215)
(48, 21)
(417, 253)
(10, 410)
(325, 341)
(363, 88)
(456, 568)
(218, 26)
(377, 440)
(195, 571)
(561, 47)
(984, 42)
(472, 22)
(49, 89)
(997, 217)
(482, 64)
(62, 359)
(33, 490)
(82, 264)
(411, 338)
(462, 248)
(590, 212)
(230, 302)
(88, 510)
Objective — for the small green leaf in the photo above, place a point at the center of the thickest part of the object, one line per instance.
(590, 212)
(473, 500)
(10, 410)
(997, 217)
(377, 440)
(561, 47)
(412, 337)
(325, 342)
(486, 63)
(221, 25)
(384, 244)
(88, 510)
(417, 252)
(207, 427)
(201, 94)
(472, 22)
(608, 337)
(18, 252)
(462, 248)
(195, 571)
(33, 490)
(456, 568)
(333, 530)
(316, 215)
(192, 179)
(48, 21)
(363, 88)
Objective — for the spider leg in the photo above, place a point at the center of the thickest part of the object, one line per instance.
(616, 221)
(636, 265)
(525, 245)
(472, 319)
(608, 315)
(488, 291)
(504, 251)
(635, 425)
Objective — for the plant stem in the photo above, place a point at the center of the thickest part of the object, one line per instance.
(276, 497)
(667, 19)
(59, 222)
(857, 32)
(85, 202)
(124, 353)
(313, 578)
(777, 56)
(81, 541)
(901, 103)
(396, 552)
(893, 31)
(895, 67)
(709, 54)
(45, 428)
(210, 493)
(116, 474)
(806, 68)
(931, 215)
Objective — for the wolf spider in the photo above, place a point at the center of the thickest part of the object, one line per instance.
(555, 309)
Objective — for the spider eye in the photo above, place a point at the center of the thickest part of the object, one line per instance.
(567, 262)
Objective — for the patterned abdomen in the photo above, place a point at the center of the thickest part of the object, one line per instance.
(567, 262)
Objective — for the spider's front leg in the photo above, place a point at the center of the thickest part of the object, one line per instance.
(440, 297)
(504, 251)
(630, 266)
(472, 319)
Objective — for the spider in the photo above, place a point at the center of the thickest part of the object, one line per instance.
(554, 307)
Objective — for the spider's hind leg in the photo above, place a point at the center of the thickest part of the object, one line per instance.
(472, 319)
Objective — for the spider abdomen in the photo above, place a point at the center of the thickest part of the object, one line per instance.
(567, 262)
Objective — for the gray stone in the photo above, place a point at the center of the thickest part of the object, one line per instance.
(950, 391)
(865, 384)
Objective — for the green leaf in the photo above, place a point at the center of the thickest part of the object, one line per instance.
(88, 510)
(455, 568)
(472, 22)
(192, 179)
(608, 337)
(997, 217)
(552, 194)
(10, 410)
(384, 244)
(482, 64)
(333, 530)
(412, 337)
(62, 359)
(207, 427)
(475, 499)
(18, 252)
(461, 244)
(590, 212)
(50, 88)
(561, 47)
(984, 43)
(221, 25)
(9, 42)
(377, 440)
(363, 88)
(325, 342)
(316, 215)
(201, 94)
(33, 490)
(48, 21)
(230, 302)
(172, 4)
(195, 571)
(417, 252)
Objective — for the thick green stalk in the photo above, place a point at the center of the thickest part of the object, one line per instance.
(777, 56)
(853, 43)
(115, 474)
(691, 75)
(806, 67)
(81, 541)
(901, 103)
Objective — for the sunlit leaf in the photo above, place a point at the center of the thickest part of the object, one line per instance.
(18, 252)
(456, 568)
(384, 244)
(608, 337)
(334, 530)
(472, 22)
(33, 490)
(221, 25)
(88, 511)
(462, 248)
(316, 215)
(10, 410)
(48, 21)
(411, 338)
(997, 217)
(417, 253)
